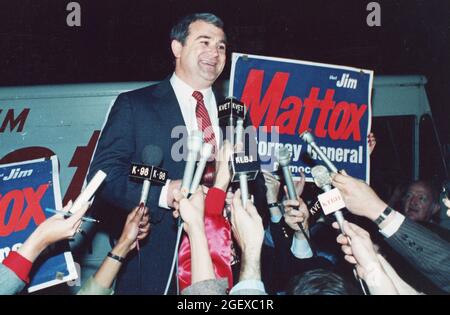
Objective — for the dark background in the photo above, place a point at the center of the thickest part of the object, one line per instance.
(128, 40)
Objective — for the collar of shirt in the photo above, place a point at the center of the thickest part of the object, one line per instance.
(187, 103)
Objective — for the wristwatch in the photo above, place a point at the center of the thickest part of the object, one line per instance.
(383, 215)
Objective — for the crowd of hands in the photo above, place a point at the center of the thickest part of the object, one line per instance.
(247, 229)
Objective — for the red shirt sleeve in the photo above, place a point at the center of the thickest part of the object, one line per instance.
(19, 265)
(214, 202)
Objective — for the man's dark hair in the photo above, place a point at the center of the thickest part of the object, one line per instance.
(180, 31)
(320, 282)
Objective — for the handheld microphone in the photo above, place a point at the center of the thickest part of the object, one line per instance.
(284, 159)
(204, 156)
(194, 145)
(322, 179)
(239, 132)
(230, 112)
(244, 168)
(309, 139)
(148, 172)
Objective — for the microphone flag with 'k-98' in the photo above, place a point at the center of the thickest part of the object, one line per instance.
(147, 171)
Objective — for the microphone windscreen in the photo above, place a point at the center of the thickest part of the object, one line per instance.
(307, 137)
(321, 176)
(152, 155)
(284, 156)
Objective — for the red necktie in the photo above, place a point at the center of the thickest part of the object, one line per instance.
(204, 124)
(203, 121)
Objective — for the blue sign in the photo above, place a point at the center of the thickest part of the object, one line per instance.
(26, 189)
(287, 97)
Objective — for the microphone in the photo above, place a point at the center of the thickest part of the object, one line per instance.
(240, 132)
(230, 112)
(194, 145)
(151, 155)
(204, 157)
(309, 139)
(284, 159)
(322, 179)
(244, 168)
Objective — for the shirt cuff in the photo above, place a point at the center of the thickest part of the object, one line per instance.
(275, 218)
(163, 196)
(19, 265)
(393, 225)
(300, 248)
(249, 285)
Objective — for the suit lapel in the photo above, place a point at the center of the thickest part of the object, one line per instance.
(168, 108)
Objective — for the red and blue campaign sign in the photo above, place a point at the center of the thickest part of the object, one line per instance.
(287, 97)
(26, 189)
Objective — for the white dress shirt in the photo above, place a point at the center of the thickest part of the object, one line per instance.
(188, 104)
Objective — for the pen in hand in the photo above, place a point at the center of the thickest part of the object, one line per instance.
(68, 214)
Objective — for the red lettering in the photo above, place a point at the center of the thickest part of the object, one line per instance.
(251, 97)
(309, 105)
(287, 121)
(81, 159)
(19, 219)
(15, 196)
(339, 122)
(13, 122)
(335, 132)
(353, 126)
(34, 210)
(325, 106)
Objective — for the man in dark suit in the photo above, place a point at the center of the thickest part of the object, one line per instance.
(159, 115)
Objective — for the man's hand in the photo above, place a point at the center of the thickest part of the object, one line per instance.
(223, 175)
(248, 231)
(174, 184)
(192, 211)
(246, 225)
(360, 250)
(273, 187)
(293, 216)
(358, 197)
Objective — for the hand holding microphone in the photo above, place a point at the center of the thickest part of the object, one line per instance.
(293, 204)
(322, 175)
(148, 172)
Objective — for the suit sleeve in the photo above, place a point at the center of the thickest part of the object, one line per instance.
(114, 154)
(426, 251)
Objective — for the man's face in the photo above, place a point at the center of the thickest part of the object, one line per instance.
(418, 203)
(202, 57)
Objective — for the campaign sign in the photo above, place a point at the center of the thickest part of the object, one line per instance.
(26, 189)
(287, 97)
